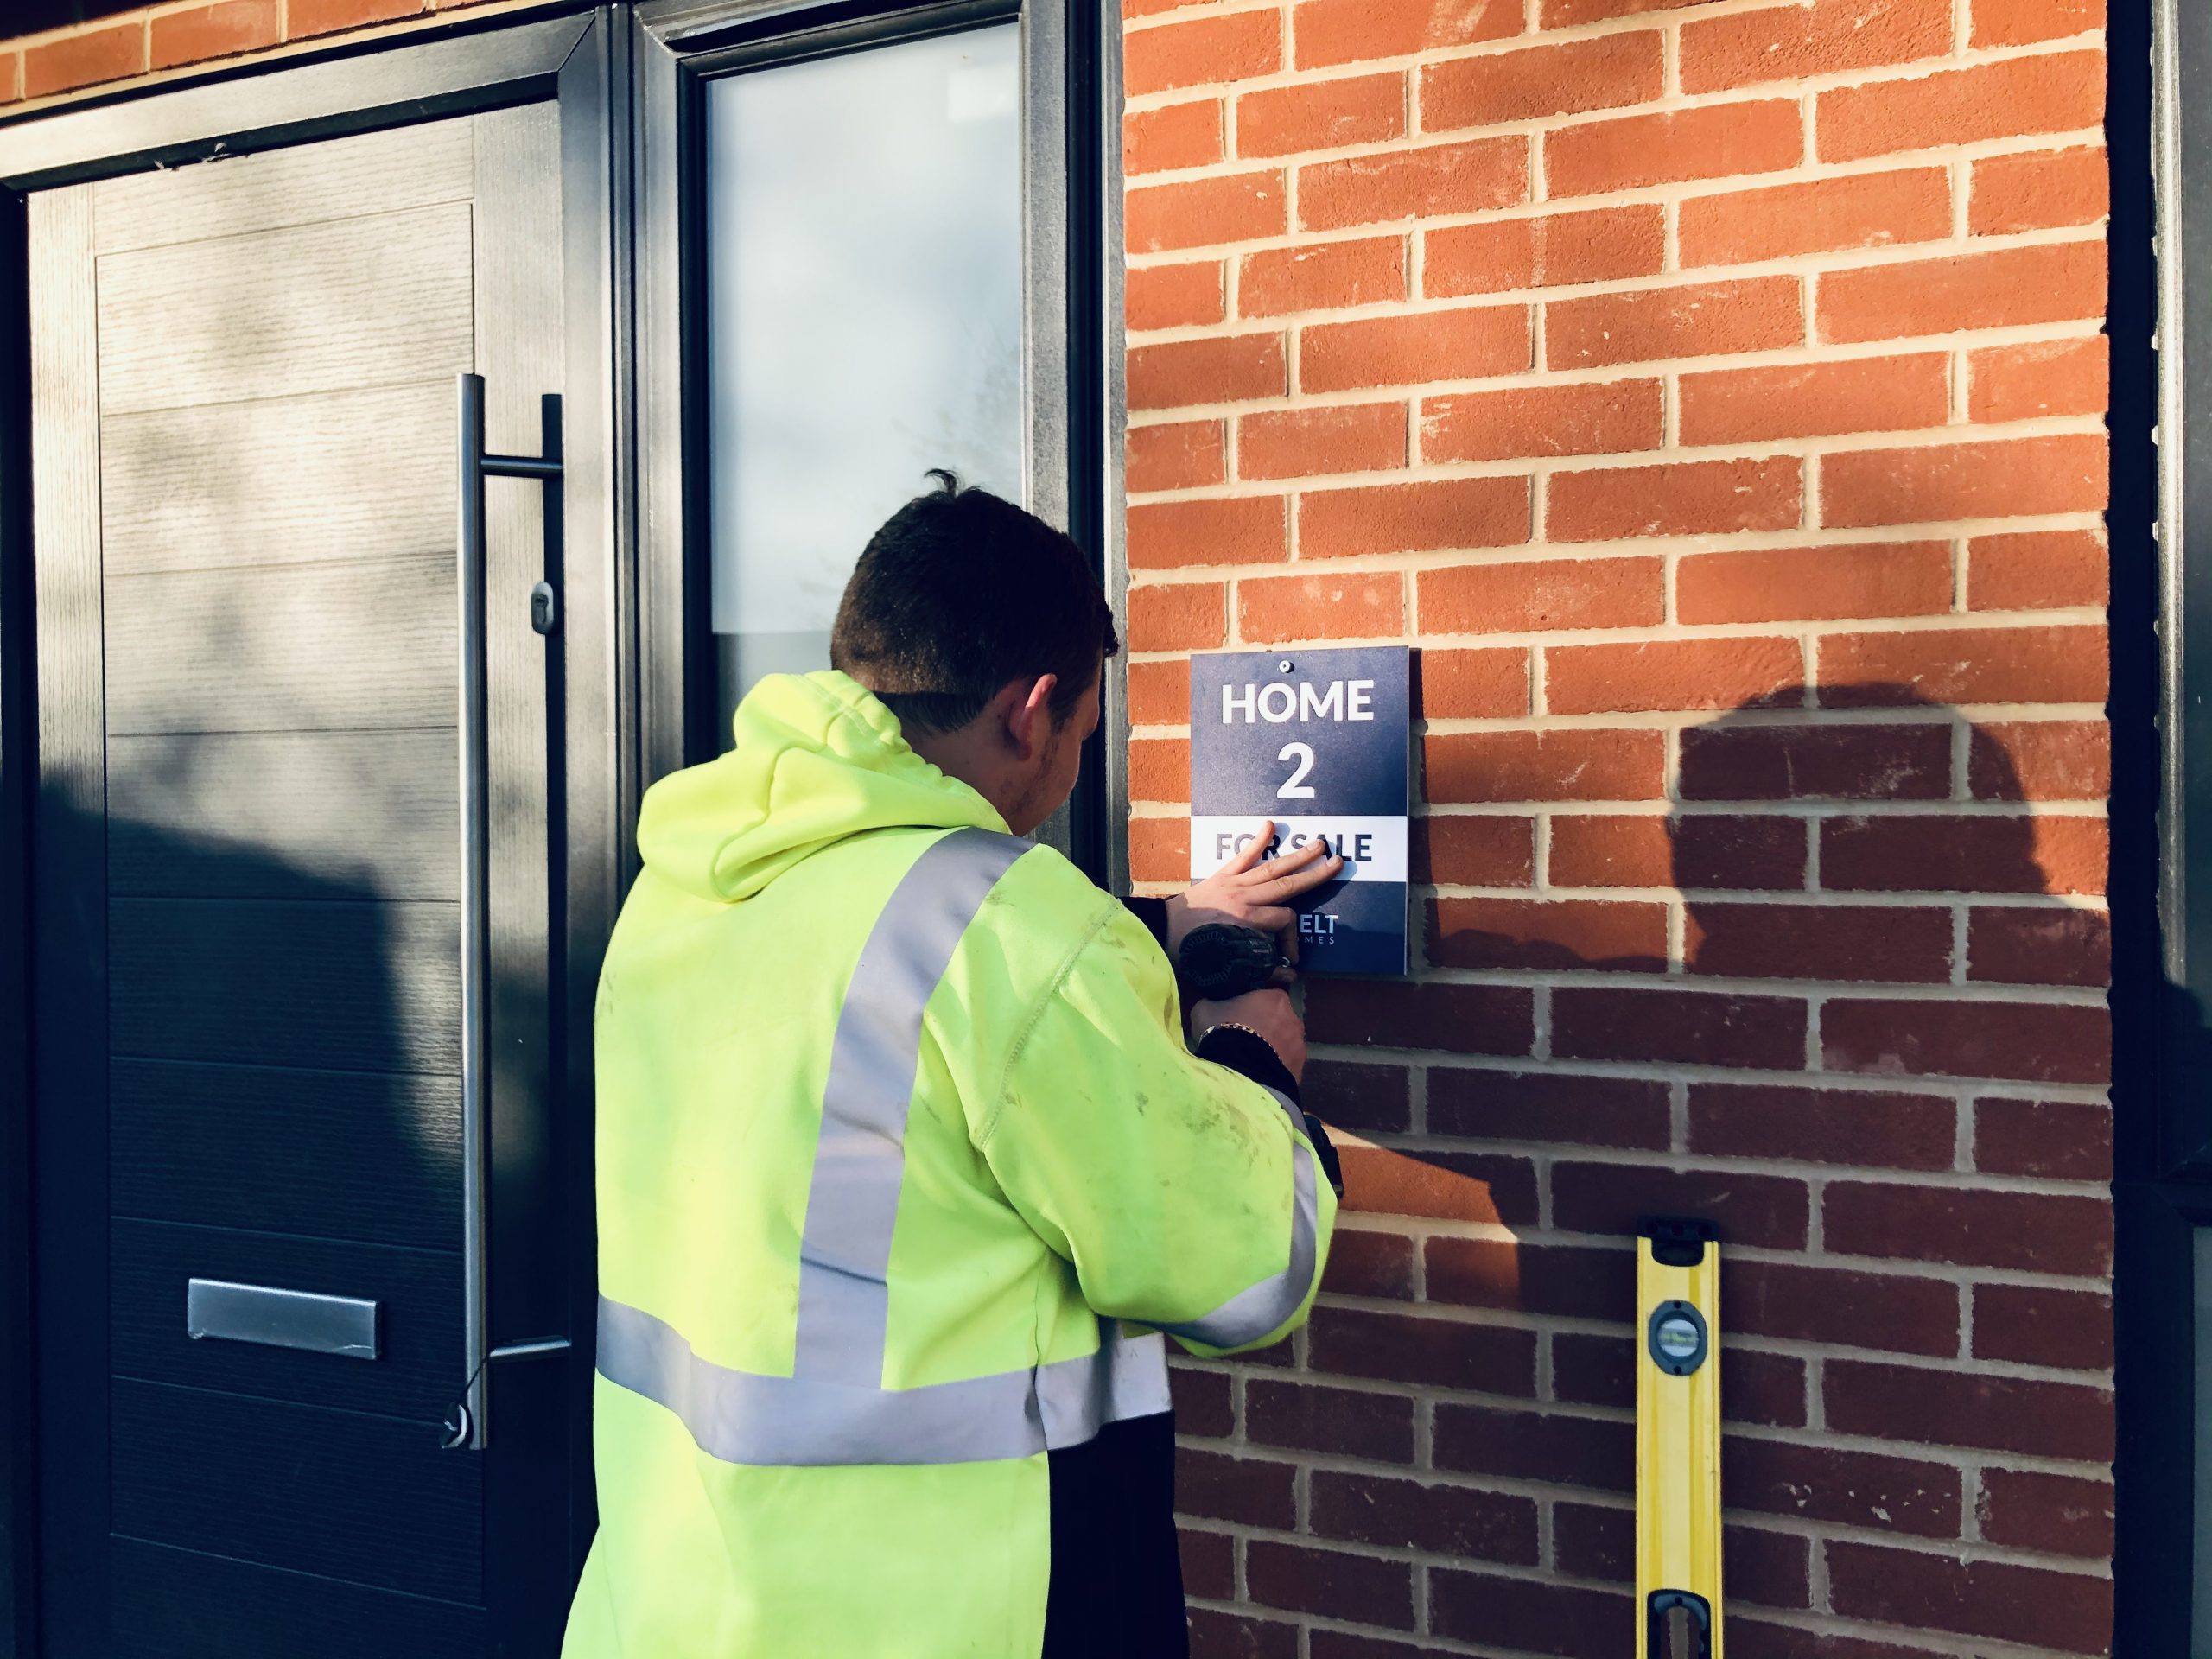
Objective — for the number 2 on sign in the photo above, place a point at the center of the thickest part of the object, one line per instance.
(1296, 788)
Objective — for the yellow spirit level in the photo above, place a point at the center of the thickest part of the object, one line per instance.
(1678, 1440)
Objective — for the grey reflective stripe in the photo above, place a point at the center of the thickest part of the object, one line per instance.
(852, 1201)
(742, 1417)
(1254, 1313)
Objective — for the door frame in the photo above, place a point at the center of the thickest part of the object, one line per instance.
(1072, 329)
(578, 55)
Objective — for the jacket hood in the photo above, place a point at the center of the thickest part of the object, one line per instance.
(818, 759)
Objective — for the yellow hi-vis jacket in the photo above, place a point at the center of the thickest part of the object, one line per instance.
(903, 1164)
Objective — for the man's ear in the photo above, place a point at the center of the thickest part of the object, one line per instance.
(1029, 719)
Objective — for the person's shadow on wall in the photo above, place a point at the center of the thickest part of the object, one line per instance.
(1867, 909)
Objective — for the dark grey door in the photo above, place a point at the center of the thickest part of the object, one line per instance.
(247, 934)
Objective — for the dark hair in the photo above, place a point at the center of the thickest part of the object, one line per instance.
(961, 592)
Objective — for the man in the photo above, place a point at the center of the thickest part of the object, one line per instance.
(904, 1161)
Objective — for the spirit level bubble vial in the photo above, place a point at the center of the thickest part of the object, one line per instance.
(1678, 1440)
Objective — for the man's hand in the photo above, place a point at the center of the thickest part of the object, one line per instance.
(1268, 1013)
(1253, 894)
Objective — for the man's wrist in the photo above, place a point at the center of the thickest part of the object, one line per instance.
(1243, 1050)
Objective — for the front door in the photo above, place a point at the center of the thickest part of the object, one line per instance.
(256, 1286)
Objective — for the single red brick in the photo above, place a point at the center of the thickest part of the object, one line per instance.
(1558, 13)
(2031, 1042)
(2036, 571)
(2064, 1140)
(1339, 604)
(1187, 616)
(1459, 1018)
(1831, 942)
(1769, 1212)
(2070, 1611)
(1862, 210)
(1684, 499)
(2040, 191)
(1330, 438)
(1528, 1614)
(2019, 946)
(73, 60)
(1570, 79)
(2057, 1515)
(1364, 1261)
(1160, 769)
(1539, 1279)
(1822, 1125)
(1171, 296)
(1484, 851)
(1347, 1422)
(11, 77)
(1569, 933)
(1201, 52)
(1482, 684)
(2067, 474)
(214, 31)
(2026, 383)
(1466, 344)
(1184, 372)
(1789, 763)
(1252, 1491)
(1573, 765)
(1243, 530)
(1471, 684)
(1851, 1489)
(1412, 1349)
(1209, 1558)
(1461, 1522)
(1870, 394)
(1217, 1635)
(1323, 276)
(1201, 212)
(1182, 456)
(2035, 1325)
(2052, 665)
(1159, 693)
(1887, 1312)
(2011, 98)
(1557, 250)
(1494, 1190)
(1177, 135)
(1713, 142)
(1345, 31)
(2004, 290)
(1939, 1407)
(1349, 1095)
(1471, 176)
(1670, 674)
(1555, 1447)
(1160, 849)
(1791, 42)
(1204, 1397)
(1321, 115)
(1695, 319)
(1643, 850)
(2024, 23)
(306, 17)
(1765, 1389)
(1977, 855)
(1542, 595)
(1613, 418)
(2041, 760)
(1858, 579)
(1685, 1027)
(1413, 518)
(1547, 1106)
(2031, 1232)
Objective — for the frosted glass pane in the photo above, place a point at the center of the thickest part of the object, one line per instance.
(864, 280)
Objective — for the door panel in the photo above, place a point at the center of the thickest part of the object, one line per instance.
(249, 949)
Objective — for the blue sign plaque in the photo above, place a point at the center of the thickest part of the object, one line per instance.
(1317, 741)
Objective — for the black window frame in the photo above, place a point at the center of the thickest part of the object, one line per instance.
(1071, 340)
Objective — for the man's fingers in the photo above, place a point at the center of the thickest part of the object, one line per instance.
(1279, 919)
(1252, 851)
(1280, 887)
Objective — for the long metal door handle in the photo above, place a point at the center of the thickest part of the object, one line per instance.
(473, 1430)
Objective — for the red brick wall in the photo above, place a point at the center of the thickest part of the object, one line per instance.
(1714, 393)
